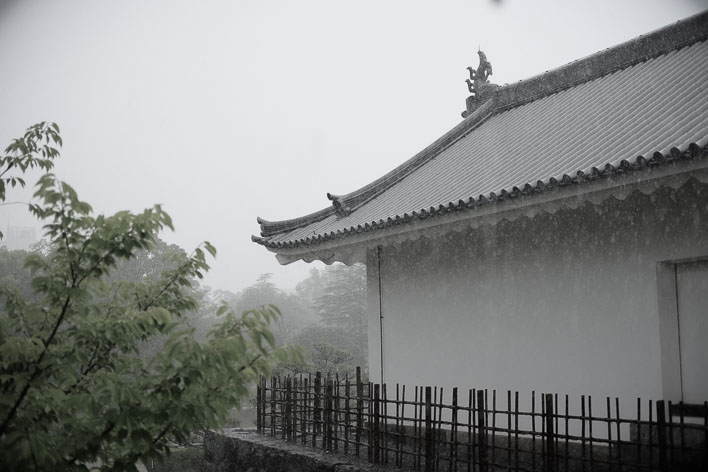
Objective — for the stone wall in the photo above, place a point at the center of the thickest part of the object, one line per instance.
(247, 451)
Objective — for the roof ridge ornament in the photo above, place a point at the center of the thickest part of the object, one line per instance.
(340, 207)
(478, 84)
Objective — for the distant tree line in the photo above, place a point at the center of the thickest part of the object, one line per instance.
(325, 316)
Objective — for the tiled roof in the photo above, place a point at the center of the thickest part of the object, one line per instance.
(652, 102)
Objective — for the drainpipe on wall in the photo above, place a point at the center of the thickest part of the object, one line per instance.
(381, 357)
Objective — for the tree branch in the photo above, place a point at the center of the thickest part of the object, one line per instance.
(162, 434)
(250, 364)
(172, 280)
(37, 370)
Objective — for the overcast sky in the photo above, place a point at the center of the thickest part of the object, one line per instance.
(227, 110)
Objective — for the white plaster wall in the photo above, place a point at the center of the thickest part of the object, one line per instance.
(562, 303)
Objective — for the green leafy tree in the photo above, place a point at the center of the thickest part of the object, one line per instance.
(35, 149)
(77, 391)
(13, 272)
(147, 266)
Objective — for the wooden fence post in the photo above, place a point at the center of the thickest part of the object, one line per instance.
(383, 428)
(347, 414)
(429, 460)
(549, 437)
(375, 433)
(283, 407)
(335, 413)
(323, 414)
(293, 408)
(304, 408)
(258, 406)
(289, 408)
(264, 402)
(370, 424)
(316, 413)
(359, 410)
(327, 417)
(481, 432)
(453, 432)
(661, 433)
(272, 406)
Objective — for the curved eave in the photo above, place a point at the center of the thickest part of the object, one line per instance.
(626, 173)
